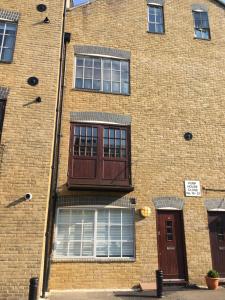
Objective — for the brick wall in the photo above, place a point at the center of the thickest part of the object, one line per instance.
(27, 143)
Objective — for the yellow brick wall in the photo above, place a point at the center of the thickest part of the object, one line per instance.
(27, 143)
(176, 86)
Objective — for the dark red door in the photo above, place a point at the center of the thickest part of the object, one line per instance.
(217, 240)
(171, 251)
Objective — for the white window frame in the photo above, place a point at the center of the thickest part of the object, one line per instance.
(94, 257)
(3, 40)
(102, 58)
(148, 16)
(208, 28)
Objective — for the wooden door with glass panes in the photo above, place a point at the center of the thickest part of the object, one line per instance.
(171, 251)
(217, 241)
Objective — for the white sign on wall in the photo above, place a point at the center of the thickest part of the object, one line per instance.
(192, 188)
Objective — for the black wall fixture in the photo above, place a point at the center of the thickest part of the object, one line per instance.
(41, 7)
(38, 99)
(46, 20)
(188, 136)
(32, 81)
(67, 37)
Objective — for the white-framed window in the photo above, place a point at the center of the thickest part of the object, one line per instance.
(7, 40)
(108, 75)
(78, 2)
(155, 19)
(201, 25)
(94, 233)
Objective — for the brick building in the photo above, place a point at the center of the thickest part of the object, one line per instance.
(139, 116)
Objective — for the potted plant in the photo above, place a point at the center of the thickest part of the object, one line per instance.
(212, 279)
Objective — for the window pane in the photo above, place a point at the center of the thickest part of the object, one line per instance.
(159, 28)
(9, 41)
(76, 232)
(127, 233)
(107, 64)
(115, 249)
(106, 132)
(97, 85)
(102, 249)
(112, 133)
(115, 232)
(128, 249)
(107, 86)
(79, 72)
(87, 249)
(61, 248)
(115, 216)
(97, 63)
(115, 87)
(124, 66)
(10, 28)
(125, 88)
(115, 65)
(87, 83)
(79, 83)
(88, 62)
(152, 18)
(7, 54)
(97, 74)
(115, 76)
(74, 249)
(127, 217)
(152, 27)
(63, 232)
(88, 73)
(102, 232)
(107, 75)
(63, 216)
(80, 61)
(103, 216)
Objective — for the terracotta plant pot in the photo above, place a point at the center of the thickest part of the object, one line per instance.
(212, 283)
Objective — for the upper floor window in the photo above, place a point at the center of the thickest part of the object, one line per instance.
(155, 19)
(201, 25)
(79, 2)
(102, 74)
(99, 156)
(7, 40)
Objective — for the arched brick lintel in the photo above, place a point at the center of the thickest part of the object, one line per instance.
(168, 203)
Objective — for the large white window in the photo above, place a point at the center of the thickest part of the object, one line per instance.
(7, 40)
(102, 74)
(96, 233)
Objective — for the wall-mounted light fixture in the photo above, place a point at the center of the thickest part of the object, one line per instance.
(41, 7)
(188, 136)
(46, 20)
(145, 211)
(28, 196)
(32, 80)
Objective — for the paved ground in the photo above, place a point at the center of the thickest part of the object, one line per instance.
(181, 294)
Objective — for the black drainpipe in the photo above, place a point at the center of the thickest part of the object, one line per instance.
(65, 38)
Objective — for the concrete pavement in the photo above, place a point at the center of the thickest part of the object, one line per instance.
(170, 294)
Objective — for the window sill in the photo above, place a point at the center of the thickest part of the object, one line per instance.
(100, 187)
(99, 92)
(196, 38)
(157, 33)
(93, 260)
(6, 62)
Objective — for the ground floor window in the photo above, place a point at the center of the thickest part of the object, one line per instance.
(97, 233)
